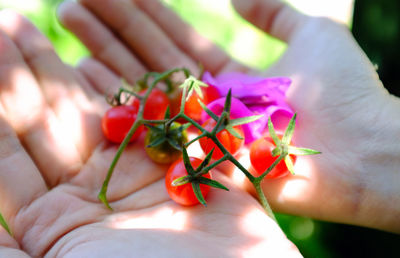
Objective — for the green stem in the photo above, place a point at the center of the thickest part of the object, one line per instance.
(263, 200)
(281, 157)
(194, 123)
(103, 192)
(213, 165)
(4, 224)
(147, 121)
(195, 139)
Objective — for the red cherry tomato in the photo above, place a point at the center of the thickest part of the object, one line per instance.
(156, 104)
(261, 158)
(192, 106)
(230, 142)
(117, 121)
(184, 194)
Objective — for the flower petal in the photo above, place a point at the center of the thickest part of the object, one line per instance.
(252, 95)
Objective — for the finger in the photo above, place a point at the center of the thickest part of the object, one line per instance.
(102, 79)
(100, 41)
(273, 16)
(58, 82)
(141, 34)
(20, 180)
(187, 38)
(27, 111)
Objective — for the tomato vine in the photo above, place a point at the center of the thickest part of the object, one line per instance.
(223, 122)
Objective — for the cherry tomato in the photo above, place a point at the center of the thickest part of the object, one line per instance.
(230, 142)
(184, 194)
(117, 121)
(192, 106)
(156, 104)
(261, 158)
(164, 153)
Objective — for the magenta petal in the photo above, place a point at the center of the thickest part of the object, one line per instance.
(252, 96)
(280, 118)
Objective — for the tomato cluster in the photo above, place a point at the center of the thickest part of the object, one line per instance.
(165, 147)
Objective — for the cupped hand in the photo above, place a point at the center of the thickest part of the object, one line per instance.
(343, 109)
(53, 160)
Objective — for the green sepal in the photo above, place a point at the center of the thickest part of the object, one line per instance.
(4, 224)
(289, 164)
(205, 162)
(167, 114)
(181, 181)
(155, 128)
(208, 111)
(228, 101)
(174, 144)
(157, 141)
(184, 127)
(194, 140)
(287, 136)
(244, 120)
(232, 131)
(272, 133)
(197, 192)
(193, 84)
(186, 162)
(212, 183)
(302, 151)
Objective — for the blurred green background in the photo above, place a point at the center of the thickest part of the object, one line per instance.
(376, 26)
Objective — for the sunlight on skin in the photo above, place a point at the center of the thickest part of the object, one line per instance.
(255, 224)
(166, 218)
(338, 10)
(29, 98)
(71, 121)
(298, 184)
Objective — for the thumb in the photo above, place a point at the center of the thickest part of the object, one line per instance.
(272, 16)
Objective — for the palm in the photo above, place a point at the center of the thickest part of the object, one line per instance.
(145, 220)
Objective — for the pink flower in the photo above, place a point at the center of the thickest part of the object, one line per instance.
(252, 96)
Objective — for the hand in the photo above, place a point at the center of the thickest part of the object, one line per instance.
(343, 108)
(53, 161)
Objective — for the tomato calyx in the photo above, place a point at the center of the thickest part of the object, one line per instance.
(195, 176)
(283, 148)
(164, 142)
(175, 135)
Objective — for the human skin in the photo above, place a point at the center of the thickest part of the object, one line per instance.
(343, 109)
(54, 158)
